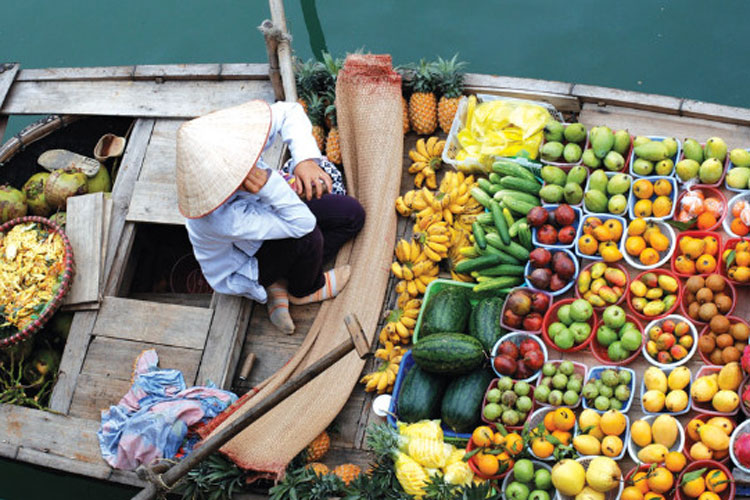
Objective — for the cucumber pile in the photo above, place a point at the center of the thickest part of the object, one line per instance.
(502, 236)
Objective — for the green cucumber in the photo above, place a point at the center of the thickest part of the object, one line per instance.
(420, 395)
(506, 258)
(528, 198)
(508, 217)
(513, 230)
(513, 169)
(484, 322)
(448, 353)
(466, 266)
(446, 311)
(503, 270)
(495, 178)
(524, 236)
(523, 185)
(484, 218)
(518, 206)
(499, 220)
(513, 249)
(479, 236)
(498, 283)
(461, 407)
(481, 197)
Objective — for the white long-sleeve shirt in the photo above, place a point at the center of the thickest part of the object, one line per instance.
(226, 240)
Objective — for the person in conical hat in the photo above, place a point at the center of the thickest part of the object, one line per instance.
(251, 231)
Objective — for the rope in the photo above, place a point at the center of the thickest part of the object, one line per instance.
(269, 30)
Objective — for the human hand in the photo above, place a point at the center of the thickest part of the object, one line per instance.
(255, 179)
(311, 180)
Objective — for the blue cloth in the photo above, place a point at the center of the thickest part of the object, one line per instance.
(153, 419)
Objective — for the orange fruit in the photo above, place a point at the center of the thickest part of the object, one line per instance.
(542, 448)
(514, 443)
(739, 228)
(712, 245)
(565, 419)
(549, 421)
(675, 461)
(662, 206)
(482, 436)
(662, 187)
(486, 463)
(505, 462)
(660, 480)
(590, 224)
(601, 233)
(649, 257)
(562, 436)
(631, 493)
(642, 208)
(695, 487)
(659, 242)
(709, 495)
(742, 246)
(737, 207)
(643, 189)
(653, 496)
(706, 220)
(742, 258)
(684, 265)
(634, 245)
(587, 244)
(713, 206)
(716, 480)
(705, 264)
(498, 439)
(639, 480)
(615, 228)
(637, 227)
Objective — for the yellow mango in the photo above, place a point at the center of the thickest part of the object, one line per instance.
(653, 401)
(679, 378)
(725, 401)
(713, 437)
(723, 423)
(587, 445)
(653, 453)
(664, 430)
(640, 431)
(730, 376)
(704, 388)
(676, 401)
(655, 380)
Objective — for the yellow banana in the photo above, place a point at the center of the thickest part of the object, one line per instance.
(416, 156)
(437, 247)
(407, 273)
(408, 322)
(419, 179)
(421, 287)
(431, 254)
(430, 144)
(397, 270)
(431, 180)
(401, 287)
(422, 149)
(402, 330)
(417, 166)
(411, 287)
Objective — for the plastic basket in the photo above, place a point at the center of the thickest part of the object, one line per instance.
(579, 368)
(689, 441)
(536, 419)
(667, 371)
(724, 170)
(727, 494)
(576, 224)
(625, 156)
(727, 222)
(612, 494)
(706, 407)
(708, 192)
(407, 362)
(584, 147)
(672, 309)
(632, 199)
(626, 288)
(496, 477)
(604, 218)
(537, 465)
(567, 287)
(633, 448)
(729, 290)
(493, 384)
(741, 429)
(624, 437)
(520, 329)
(667, 231)
(551, 317)
(66, 272)
(600, 352)
(659, 139)
(517, 338)
(730, 166)
(658, 322)
(694, 234)
(730, 244)
(609, 175)
(453, 146)
(595, 373)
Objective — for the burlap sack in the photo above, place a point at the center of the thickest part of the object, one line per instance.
(368, 103)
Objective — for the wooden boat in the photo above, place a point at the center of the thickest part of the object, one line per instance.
(206, 335)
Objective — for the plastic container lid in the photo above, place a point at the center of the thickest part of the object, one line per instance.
(687, 408)
(576, 224)
(551, 317)
(665, 313)
(693, 331)
(595, 373)
(517, 338)
(633, 448)
(695, 234)
(659, 139)
(572, 281)
(667, 231)
(632, 199)
(603, 218)
(729, 289)
(600, 352)
(712, 193)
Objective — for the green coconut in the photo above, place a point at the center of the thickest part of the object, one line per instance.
(12, 203)
(62, 184)
(101, 182)
(60, 218)
(34, 190)
(60, 324)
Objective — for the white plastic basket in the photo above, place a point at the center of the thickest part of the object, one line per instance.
(537, 418)
(730, 166)
(537, 465)
(693, 331)
(727, 223)
(743, 428)
(517, 338)
(633, 448)
(667, 231)
(453, 146)
(612, 494)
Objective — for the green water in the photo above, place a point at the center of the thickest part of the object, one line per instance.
(692, 49)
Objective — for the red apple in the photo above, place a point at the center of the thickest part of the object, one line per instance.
(504, 365)
(508, 349)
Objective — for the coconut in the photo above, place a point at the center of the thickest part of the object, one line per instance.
(60, 218)
(100, 183)
(34, 190)
(12, 203)
(62, 184)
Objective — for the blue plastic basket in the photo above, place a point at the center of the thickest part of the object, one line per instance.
(624, 437)
(576, 225)
(567, 287)
(603, 218)
(726, 186)
(632, 199)
(609, 175)
(667, 371)
(595, 373)
(407, 362)
(659, 139)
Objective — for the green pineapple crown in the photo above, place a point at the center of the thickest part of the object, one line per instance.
(424, 77)
(450, 80)
(309, 77)
(316, 109)
(330, 109)
(383, 440)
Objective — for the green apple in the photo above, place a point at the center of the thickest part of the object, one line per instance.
(580, 310)
(614, 317)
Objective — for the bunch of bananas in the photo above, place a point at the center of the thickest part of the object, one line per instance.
(413, 268)
(435, 240)
(400, 324)
(382, 379)
(427, 159)
(459, 240)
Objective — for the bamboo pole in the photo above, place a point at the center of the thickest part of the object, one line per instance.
(272, 46)
(284, 50)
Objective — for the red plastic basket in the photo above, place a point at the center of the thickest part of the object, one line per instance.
(729, 245)
(708, 192)
(694, 234)
(706, 330)
(727, 494)
(731, 291)
(706, 408)
(668, 311)
(470, 446)
(723, 171)
(626, 287)
(67, 277)
(600, 352)
(551, 317)
(492, 385)
(689, 442)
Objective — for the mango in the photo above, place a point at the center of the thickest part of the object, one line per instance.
(575, 132)
(639, 303)
(554, 175)
(667, 283)
(553, 131)
(595, 300)
(676, 401)
(608, 295)
(654, 308)
(700, 451)
(590, 159)
(597, 181)
(713, 437)
(615, 277)
(705, 388)
(738, 177)
(653, 453)
(654, 293)
(598, 270)
(655, 379)
(669, 301)
(723, 423)
(552, 151)
(622, 141)
(640, 431)
(573, 193)
(687, 169)
(638, 288)
(595, 201)
(710, 171)
(584, 281)
(653, 401)
(643, 167)
(671, 144)
(652, 151)
(587, 445)
(551, 193)
(639, 140)
(665, 430)
(602, 140)
(618, 184)
(650, 280)
(614, 161)
(572, 152)
(715, 148)
(740, 157)
(693, 150)
(577, 174)
(679, 378)
(597, 284)
(730, 377)
(725, 401)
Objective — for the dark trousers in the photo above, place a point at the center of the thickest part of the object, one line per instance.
(300, 260)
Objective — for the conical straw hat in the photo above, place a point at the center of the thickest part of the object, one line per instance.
(215, 153)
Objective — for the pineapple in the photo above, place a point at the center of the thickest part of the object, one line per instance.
(307, 77)
(318, 447)
(320, 469)
(450, 84)
(347, 472)
(333, 151)
(406, 115)
(423, 103)
(316, 112)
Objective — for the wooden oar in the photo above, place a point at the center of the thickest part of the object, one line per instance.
(163, 478)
